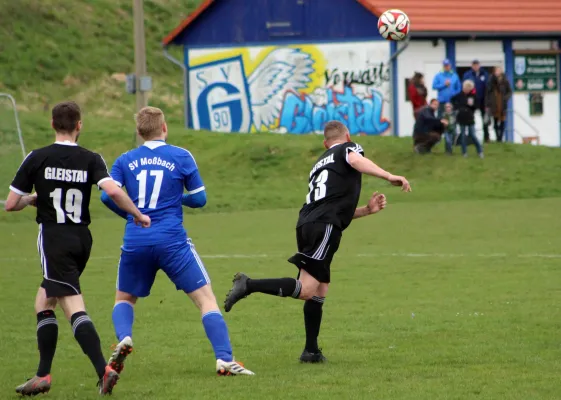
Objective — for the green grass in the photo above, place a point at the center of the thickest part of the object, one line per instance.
(450, 293)
(52, 50)
(446, 300)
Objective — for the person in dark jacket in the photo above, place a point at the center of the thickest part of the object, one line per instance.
(498, 94)
(428, 128)
(417, 92)
(480, 78)
(465, 104)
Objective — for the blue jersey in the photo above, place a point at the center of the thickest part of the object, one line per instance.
(155, 175)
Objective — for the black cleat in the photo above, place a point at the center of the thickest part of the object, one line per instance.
(238, 291)
(312, 358)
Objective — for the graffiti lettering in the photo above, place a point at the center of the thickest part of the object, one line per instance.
(309, 113)
(375, 76)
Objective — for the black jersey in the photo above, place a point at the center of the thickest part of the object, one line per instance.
(334, 188)
(62, 174)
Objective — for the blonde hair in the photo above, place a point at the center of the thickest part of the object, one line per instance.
(149, 122)
(468, 85)
(334, 130)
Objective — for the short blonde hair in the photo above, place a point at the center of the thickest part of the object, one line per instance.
(149, 122)
(334, 130)
(468, 85)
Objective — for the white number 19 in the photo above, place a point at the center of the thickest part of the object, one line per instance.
(141, 178)
(73, 206)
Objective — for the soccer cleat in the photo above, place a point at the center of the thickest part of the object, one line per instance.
(228, 368)
(122, 350)
(312, 358)
(108, 382)
(238, 291)
(35, 386)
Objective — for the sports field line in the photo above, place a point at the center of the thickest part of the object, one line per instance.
(364, 255)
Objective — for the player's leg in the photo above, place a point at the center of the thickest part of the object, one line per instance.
(135, 276)
(186, 270)
(313, 312)
(314, 241)
(66, 254)
(47, 337)
(87, 337)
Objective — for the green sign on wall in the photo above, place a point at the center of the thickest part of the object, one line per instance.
(535, 73)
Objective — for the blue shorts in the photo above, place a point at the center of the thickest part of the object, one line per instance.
(181, 263)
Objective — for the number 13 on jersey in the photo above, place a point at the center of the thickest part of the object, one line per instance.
(317, 187)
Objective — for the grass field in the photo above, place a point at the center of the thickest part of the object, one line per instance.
(451, 293)
(456, 300)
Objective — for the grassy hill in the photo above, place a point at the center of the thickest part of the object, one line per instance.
(264, 171)
(54, 49)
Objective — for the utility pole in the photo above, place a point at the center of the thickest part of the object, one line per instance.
(139, 57)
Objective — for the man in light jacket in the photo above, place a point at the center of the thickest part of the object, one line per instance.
(447, 83)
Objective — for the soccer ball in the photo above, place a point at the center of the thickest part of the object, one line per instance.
(394, 25)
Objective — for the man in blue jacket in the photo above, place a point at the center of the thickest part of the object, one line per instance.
(448, 84)
(480, 77)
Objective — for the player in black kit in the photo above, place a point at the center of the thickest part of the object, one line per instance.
(334, 189)
(63, 174)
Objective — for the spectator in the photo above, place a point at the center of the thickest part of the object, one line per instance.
(428, 128)
(447, 83)
(498, 94)
(480, 77)
(417, 93)
(450, 131)
(465, 104)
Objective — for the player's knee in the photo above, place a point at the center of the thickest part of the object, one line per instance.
(204, 299)
(121, 297)
(44, 303)
(308, 290)
(322, 290)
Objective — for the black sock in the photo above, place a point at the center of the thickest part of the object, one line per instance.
(282, 287)
(47, 336)
(313, 311)
(87, 337)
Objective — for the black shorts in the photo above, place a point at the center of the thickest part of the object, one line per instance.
(64, 251)
(317, 244)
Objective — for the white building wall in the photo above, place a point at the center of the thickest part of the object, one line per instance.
(548, 124)
(420, 56)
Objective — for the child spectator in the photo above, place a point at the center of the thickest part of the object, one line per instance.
(450, 130)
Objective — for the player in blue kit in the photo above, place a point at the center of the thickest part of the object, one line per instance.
(155, 175)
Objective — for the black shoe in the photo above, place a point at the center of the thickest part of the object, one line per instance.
(316, 357)
(238, 291)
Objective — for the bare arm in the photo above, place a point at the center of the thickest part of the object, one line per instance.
(17, 202)
(366, 166)
(376, 203)
(124, 202)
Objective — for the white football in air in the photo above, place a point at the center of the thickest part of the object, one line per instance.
(394, 25)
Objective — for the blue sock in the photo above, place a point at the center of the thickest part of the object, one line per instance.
(217, 332)
(123, 318)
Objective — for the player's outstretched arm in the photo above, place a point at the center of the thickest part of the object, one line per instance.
(17, 202)
(124, 202)
(376, 203)
(110, 204)
(366, 166)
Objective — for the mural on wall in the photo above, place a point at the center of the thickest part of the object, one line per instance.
(294, 89)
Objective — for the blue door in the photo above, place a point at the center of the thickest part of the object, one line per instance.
(286, 18)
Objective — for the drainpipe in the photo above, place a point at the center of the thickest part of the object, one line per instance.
(185, 85)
